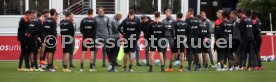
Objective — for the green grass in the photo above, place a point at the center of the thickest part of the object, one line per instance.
(8, 73)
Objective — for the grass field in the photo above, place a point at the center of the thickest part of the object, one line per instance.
(8, 73)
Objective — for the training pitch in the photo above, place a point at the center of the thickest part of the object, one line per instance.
(9, 73)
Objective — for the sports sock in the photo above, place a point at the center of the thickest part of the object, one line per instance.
(130, 66)
(124, 67)
(170, 66)
(150, 67)
(81, 65)
(162, 66)
(65, 66)
(32, 65)
(91, 66)
(222, 66)
(181, 66)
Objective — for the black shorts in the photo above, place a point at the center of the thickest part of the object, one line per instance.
(90, 45)
(177, 47)
(31, 45)
(39, 44)
(50, 44)
(203, 47)
(192, 49)
(160, 48)
(257, 45)
(68, 48)
(130, 47)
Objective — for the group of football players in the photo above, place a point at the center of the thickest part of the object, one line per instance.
(237, 39)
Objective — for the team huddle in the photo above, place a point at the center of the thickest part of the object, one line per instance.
(237, 42)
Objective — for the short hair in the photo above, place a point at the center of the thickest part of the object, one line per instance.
(179, 15)
(241, 11)
(38, 14)
(67, 14)
(234, 12)
(220, 11)
(33, 11)
(90, 11)
(202, 12)
(169, 11)
(226, 14)
(191, 10)
(45, 11)
(131, 12)
(143, 17)
(53, 12)
(157, 14)
(248, 13)
(27, 12)
(118, 15)
(254, 13)
(100, 8)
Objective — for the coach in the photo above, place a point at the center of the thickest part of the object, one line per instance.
(103, 26)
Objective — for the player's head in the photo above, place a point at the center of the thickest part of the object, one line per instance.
(38, 15)
(168, 12)
(226, 14)
(203, 15)
(33, 14)
(53, 12)
(101, 11)
(157, 14)
(90, 11)
(233, 14)
(28, 14)
(248, 13)
(241, 12)
(45, 13)
(131, 13)
(69, 15)
(179, 15)
(118, 16)
(144, 19)
(219, 14)
(190, 12)
(254, 15)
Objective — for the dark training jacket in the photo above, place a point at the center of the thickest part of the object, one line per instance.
(181, 27)
(236, 30)
(23, 24)
(130, 27)
(157, 29)
(226, 29)
(246, 26)
(50, 27)
(88, 28)
(257, 28)
(194, 28)
(67, 28)
(145, 28)
(204, 26)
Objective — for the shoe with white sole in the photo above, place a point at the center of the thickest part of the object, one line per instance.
(231, 69)
(130, 70)
(92, 70)
(66, 70)
(81, 70)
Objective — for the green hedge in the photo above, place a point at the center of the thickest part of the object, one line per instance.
(263, 7)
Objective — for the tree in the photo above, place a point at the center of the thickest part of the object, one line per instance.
(263, 7)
